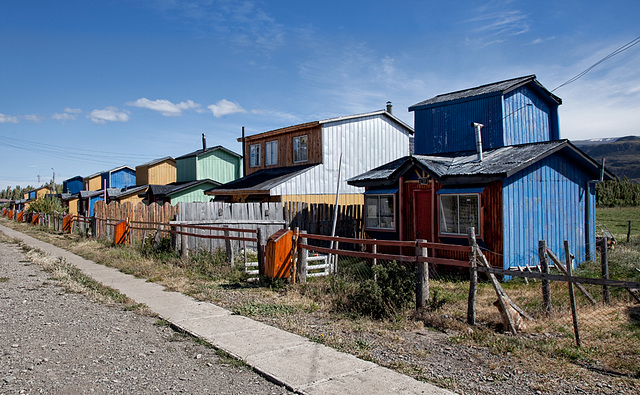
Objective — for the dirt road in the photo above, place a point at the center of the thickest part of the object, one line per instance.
(59, 342)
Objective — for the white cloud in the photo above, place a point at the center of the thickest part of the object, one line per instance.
(8, 118)
(225, 107)
(33, 118)
(110, 114)
(165, 107)
(64, 116)
(73, 110)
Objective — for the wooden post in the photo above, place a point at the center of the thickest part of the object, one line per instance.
(301, 262)
(629, 232)
(334, 263)
(572, 296)
(228, 246)
(546, 284)
(473, 279)
(604, 263)
(374, 261)
(294, 255)
(184, 243)
(561, 267)
(422, 277)
(261, 243)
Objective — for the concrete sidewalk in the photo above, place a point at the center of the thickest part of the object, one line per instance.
(291, 360)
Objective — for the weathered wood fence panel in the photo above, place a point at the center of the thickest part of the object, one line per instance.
(266, 217)
(114, 212)
(318, 219)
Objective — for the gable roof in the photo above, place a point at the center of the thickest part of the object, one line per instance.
(261, 181)
(464, 167)
(308, 125)
(205, 151)
(191, 184)
(156, 161)
(502, 87)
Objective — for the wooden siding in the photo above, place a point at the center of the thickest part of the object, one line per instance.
(219, 166)
(94, 183)
(194, 194)
(42, 192)
(365, 143)
(343, 200)
(546, 201)
(186, 169)
(285, 147)
(73, 206)
(162, 173)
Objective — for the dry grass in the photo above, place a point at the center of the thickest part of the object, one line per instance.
(610, 334)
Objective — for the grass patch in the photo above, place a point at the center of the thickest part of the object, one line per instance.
(4, 279)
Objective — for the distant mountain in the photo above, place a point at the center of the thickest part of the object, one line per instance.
(622, 155)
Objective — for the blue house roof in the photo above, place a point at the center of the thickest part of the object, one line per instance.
(502, 87)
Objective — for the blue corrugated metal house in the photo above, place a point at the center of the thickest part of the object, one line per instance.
(120, 177)
(523, 184)
(72, 185)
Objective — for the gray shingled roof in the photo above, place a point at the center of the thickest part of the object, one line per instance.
(502, 87)
(497, 163)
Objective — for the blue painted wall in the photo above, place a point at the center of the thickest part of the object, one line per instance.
(72, 185)
(521, 116)
(547, 201)
(92, 203)
(32, 194)
(121, 178)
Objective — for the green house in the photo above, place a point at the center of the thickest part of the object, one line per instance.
(191, 192)
(217, 163)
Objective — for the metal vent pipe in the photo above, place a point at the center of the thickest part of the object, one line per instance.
(478, 128)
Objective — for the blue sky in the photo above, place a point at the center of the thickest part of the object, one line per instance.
(86, 86)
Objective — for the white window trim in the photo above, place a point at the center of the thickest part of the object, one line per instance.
(257, 163)
(378, 196)
(269, 154)
(461, 232)
(294, 149)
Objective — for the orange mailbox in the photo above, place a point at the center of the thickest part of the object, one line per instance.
(277, 262)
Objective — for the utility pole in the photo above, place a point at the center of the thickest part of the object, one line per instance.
(53, 185)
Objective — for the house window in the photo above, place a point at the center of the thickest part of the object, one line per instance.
(300, 149)
(254, 155)
(380, 212)
(271, 153)
(459, 212)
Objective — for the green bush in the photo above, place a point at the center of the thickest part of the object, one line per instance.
(619, 192)
(391, 290)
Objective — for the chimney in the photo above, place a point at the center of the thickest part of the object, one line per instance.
(204, 142)
(478, 127)
(389, 107)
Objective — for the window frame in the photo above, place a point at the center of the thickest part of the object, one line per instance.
(295, 143)
(257, 156)
(441, 214)
(269, 153)
(378, 197)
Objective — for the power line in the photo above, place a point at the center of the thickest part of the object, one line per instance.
(588, 69)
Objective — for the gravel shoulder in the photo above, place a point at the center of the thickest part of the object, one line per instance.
(60, 342)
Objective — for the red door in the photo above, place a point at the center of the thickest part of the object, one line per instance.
(423, 212)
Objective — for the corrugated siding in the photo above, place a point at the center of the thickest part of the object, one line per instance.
(523, 123)
(365, 143)
(219, 166)
(448, 128)
(121, 178)
(344, 200)
(186, 169)
(72, 186)
(195, 194)
(546, 201)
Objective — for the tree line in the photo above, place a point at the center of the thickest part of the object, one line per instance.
(618, 192)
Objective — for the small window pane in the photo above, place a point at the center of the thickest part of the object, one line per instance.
(271, 153)
(371, 204)
(458, 213)
(449, 213)
(300, 149)
(254, 155)
(468, 212)
(380, 211)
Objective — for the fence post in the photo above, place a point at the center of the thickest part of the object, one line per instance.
(301, 262)
(184, 244)
(334, 263)
(228, 245)
(546, 284)
(94, 227)
(572, 296)
(473, 281)
(422, 277)
(629, 232)
(261, 243)
(604, 263)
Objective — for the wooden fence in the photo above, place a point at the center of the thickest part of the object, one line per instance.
(318, 219)
(114, 211)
